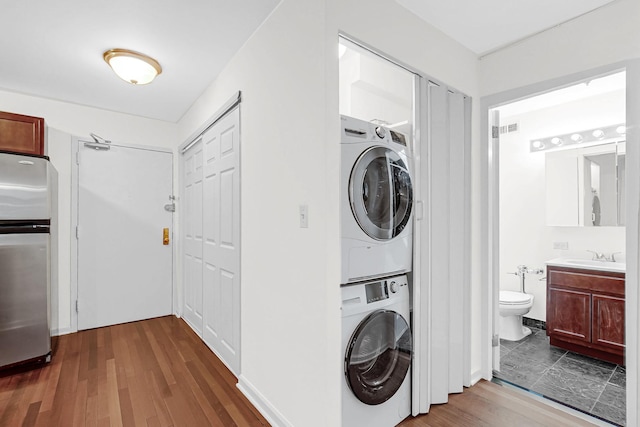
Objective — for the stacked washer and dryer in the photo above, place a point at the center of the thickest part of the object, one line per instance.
(376, 220)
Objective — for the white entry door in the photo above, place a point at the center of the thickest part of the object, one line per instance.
(125, 265)
(211, 188)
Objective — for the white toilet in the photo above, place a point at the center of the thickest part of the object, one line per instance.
(513, 305)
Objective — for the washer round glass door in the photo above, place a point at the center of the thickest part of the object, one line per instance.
(380, 193)
(378, 357)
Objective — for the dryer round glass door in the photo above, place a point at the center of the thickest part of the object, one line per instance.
(378, 357)
(380, 193)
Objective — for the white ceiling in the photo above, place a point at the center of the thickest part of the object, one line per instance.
(587, 89)
(487, 25)
(53, 49)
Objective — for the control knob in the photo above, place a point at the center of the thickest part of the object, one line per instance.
(381, 132)
(393, 286)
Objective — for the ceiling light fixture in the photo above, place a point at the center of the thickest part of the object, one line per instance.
(577, 138)
(132, 67)
(583, 137)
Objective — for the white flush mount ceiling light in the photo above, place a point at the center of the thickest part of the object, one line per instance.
(132, 67)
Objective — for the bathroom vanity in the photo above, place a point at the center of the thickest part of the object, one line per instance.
(585, 308)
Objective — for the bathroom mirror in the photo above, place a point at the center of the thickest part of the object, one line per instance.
(585, 185)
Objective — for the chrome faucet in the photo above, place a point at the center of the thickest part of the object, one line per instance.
(598, 256)
(601, 256)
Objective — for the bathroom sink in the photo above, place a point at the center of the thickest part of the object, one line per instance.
(591, 264)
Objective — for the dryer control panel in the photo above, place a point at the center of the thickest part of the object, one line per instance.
(376, 291)
(381, 290)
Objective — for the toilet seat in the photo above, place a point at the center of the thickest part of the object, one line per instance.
(514, 298)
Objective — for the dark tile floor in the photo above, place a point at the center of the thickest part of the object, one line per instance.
(588, 385)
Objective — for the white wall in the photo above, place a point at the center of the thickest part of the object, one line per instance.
(285, 270)
(372, 88)
(64, 120)
(525, 237)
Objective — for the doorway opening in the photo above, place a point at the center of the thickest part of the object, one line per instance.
(560, 190)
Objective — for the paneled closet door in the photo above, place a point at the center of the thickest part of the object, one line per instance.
(221, 239)
(192, 235)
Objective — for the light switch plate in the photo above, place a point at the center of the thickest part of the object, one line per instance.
(304, 216)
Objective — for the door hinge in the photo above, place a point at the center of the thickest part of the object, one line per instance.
(76, 306)
(77, 232)
(77, 157)
(495, 340)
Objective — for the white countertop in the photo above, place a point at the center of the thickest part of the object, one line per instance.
(589, 264)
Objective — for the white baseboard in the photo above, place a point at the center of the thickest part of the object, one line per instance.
(476, 376)
(63, 331)
(275, 418)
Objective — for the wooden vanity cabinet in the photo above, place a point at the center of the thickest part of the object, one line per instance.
(22, 134)
(585, 312)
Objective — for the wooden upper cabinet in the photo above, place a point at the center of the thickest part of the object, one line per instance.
(22, 134)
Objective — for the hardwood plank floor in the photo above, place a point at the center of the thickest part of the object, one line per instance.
(159, 373)
(151, 373)
(491, 405)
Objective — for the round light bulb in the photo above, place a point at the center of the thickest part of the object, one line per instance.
(598, 133)
(556, 141)
(538, 144)
(621, 130)
(576, 137)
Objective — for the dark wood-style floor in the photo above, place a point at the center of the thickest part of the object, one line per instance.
(159, 373)
(150, 373)
(490, 405)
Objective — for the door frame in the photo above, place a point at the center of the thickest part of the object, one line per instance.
(75, 188)
(489, 237)
(422, 199)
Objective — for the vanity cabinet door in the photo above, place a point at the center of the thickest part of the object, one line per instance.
(569, 314)
(608, 321)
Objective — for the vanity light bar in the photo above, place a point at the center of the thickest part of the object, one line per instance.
(576, 138)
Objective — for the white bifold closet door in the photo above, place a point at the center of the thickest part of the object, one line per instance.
(442, 276)
(211, 225)
(191, 213)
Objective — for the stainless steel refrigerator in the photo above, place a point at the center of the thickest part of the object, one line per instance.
(28, 264)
